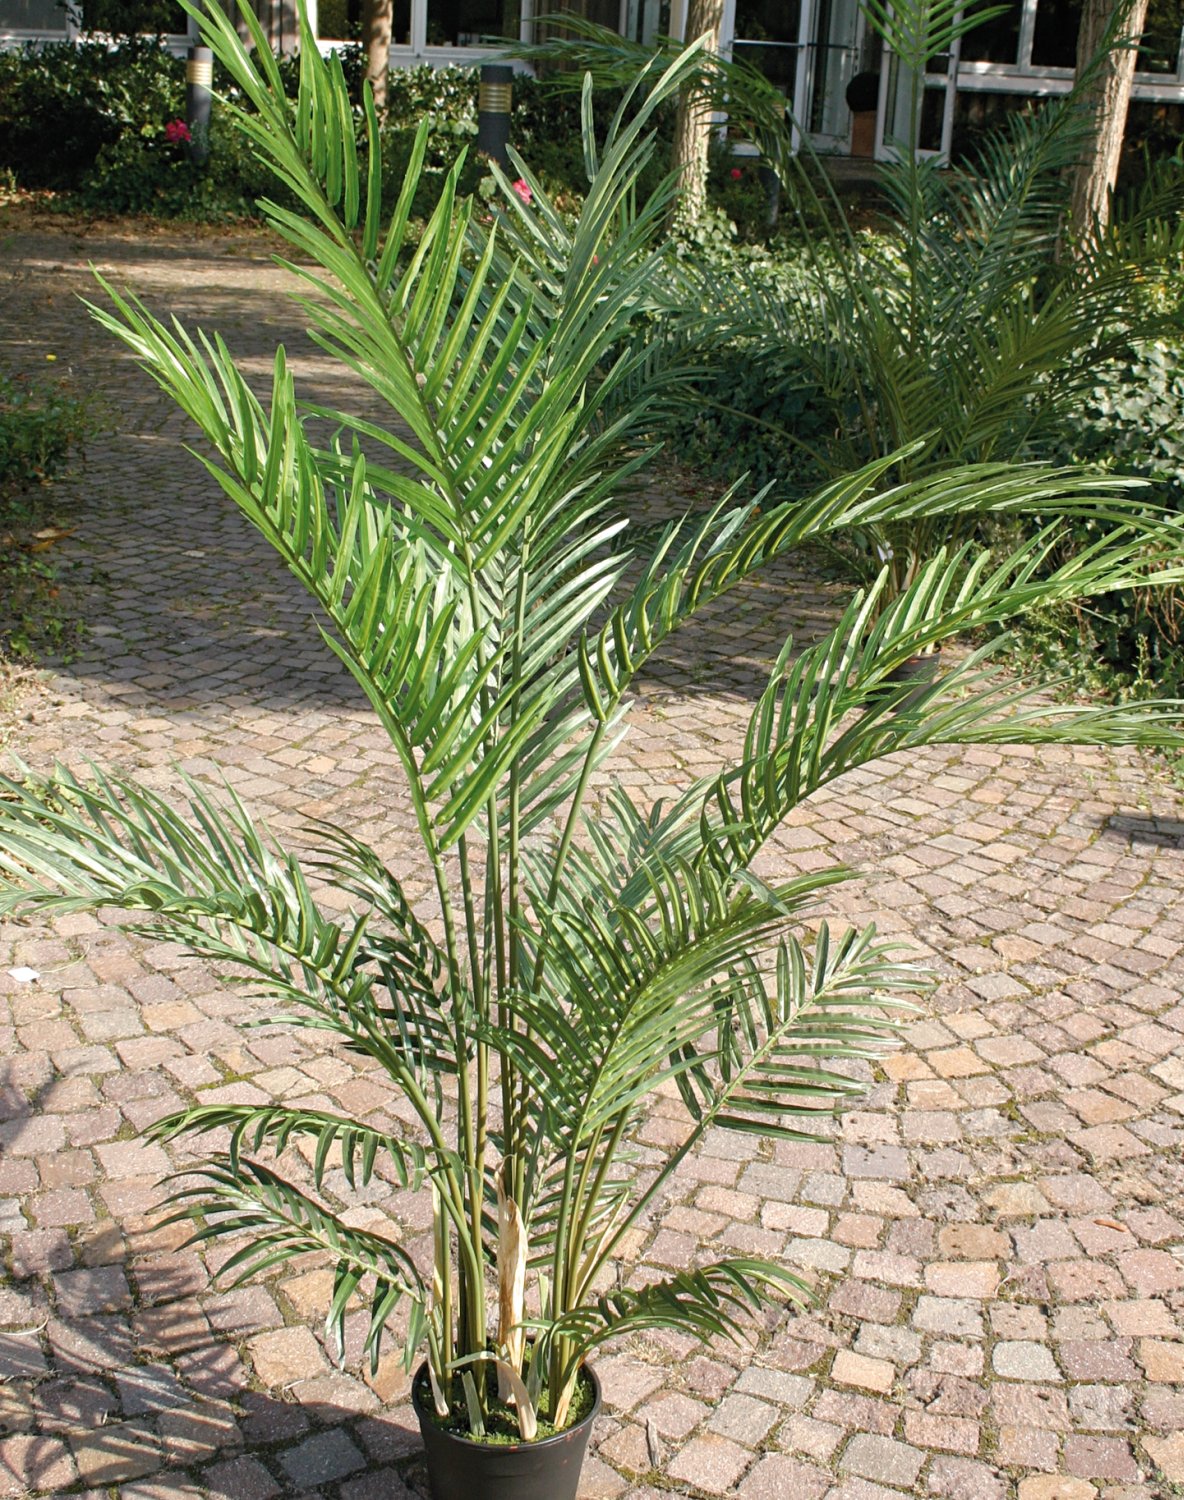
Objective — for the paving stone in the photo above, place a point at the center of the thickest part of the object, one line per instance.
(1099, 1457)
(926, 1429)
(1024, 1360)
(198, 1432)
(1162, 1361)
(111, 1455)
(858, 1370)
(32, 1464)
(20, 1356)
(287, 1356)
(777, 1476)
(744, 1419)
(1055, 1487)
(1027, 1447)
(882, 1459)
(962, 1479)
(240, 1479)
(775, 1385)
(673, 1415)
(949, 1315)
(1167, 1453)
(322, 1458)
(101, 1289)
(713, 1464)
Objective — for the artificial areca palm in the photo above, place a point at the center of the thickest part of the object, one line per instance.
(580, 950)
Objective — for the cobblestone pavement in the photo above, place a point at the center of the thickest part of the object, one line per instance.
(996, 1234)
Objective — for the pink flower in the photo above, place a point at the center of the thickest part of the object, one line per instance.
(736, 174)
(177, 130)
(522, 188)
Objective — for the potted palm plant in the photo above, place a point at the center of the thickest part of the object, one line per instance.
(579, 951)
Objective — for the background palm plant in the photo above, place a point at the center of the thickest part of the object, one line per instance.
(959, 331)
(580, 951)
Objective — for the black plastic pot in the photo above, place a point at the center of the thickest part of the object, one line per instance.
(461, 1469)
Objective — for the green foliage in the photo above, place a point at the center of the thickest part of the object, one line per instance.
(89, 120)
(1128, 421)
(60, 105)
(41, 425)
(736, 189)
(40, 422)
(468, 556)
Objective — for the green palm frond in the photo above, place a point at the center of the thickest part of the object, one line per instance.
(217, 882)
(697, 561)
(282, 1222)
(800, 735)
(837, 1005)
(355, 1147)
(707, 1303)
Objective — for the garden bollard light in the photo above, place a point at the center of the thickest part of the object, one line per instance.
(199, 76)
(493, 111)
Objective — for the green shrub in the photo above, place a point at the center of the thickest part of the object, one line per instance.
(735, 187)
(90, 120)
(39, 424)
(1128, 422)
(61, 105)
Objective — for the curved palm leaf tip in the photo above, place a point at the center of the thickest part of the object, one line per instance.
(471, 577)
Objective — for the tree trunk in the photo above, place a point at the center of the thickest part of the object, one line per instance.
(1107, 96)
(692, 123)
(377, 25)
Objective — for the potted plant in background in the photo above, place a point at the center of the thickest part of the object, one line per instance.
(580, 951)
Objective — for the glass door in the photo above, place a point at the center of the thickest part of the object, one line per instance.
(916, 109)
(836, 52)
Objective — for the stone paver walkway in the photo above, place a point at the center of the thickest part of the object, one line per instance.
(996, 1234)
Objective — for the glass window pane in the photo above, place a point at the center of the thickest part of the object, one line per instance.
(1160, 49)
(933, 105)
(341, 21)
(836, 60)
(978, 115)
(32, 15)
(766, 37)
(996, 40)
(766, 21)
(134, 17)
(777, 63)
(472, 23)
(1054, 41)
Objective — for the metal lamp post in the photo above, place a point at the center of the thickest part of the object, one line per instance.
(493, 111)
(199, 78)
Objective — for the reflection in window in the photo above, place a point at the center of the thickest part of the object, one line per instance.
(341, 21)
(766, 37)
(471, 23)
(997, 39)
(32, 15)
(1054, 41)
(646, 19)
(977, 117)
(134, 17)
(1160, 49)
